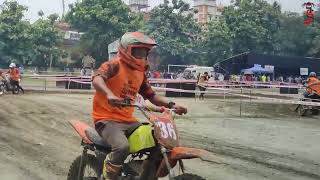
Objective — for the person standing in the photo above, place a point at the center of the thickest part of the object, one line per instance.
(202, 83)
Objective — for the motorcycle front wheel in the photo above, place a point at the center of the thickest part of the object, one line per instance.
(302, 110)
(89, 170)
(187, 176)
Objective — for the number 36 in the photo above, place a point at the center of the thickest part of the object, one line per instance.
(167, 130)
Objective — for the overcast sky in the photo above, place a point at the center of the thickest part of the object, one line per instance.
(55, 6)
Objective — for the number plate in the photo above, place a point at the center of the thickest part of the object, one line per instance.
(166, 132)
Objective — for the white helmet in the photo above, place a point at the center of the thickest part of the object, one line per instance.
(12, 65)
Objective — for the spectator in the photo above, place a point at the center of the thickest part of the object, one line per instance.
(202, 80)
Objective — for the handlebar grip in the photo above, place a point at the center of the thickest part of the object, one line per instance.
(171, 104)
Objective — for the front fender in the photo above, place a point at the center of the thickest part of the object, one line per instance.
(188, 153)
(178, 153)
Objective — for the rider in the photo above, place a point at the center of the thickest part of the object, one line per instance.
(124, 76)
(311, 80)
(2, 75)
(14, 74)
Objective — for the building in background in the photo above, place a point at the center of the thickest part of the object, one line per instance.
(70, 37)
(208, 10)
(138, 5)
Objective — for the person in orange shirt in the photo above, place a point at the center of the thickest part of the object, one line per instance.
(14, 74)
(311, 82)
(2, 75)
(122, 77)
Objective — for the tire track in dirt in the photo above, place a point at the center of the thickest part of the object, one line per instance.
(28, 135)
(271, 160)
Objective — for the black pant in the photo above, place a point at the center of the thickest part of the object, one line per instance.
(202, 89)
(15, 84)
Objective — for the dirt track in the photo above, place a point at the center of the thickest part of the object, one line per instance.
(267, 142)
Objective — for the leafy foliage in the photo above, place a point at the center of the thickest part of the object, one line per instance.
(25, 43)
(175, 31)
(103, 21)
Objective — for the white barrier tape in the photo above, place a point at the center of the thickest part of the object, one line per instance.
(65, 79)
(225, 91)
(186, 91)
(155, 80)
(282, 101)
(165, 81)
(61, 78)
(210, 84)
(81, 82)
(278, 86)
(53, 76)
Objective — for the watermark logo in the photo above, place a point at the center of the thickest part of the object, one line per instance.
(309, 12)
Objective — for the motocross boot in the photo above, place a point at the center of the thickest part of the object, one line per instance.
(110, 171)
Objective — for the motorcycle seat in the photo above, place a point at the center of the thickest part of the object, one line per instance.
(96, 139)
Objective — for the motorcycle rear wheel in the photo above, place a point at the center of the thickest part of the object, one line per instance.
(17, 90)
(315, 111)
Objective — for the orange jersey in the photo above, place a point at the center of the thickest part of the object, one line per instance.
(313, 85)
(123, 81)
(14, 74)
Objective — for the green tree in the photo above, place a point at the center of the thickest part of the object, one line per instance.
(216, 42)
(294, 37)
(103, 22)
(14, 33)
(314, 50)
(175, 31)
(253, 24)
(46, 42)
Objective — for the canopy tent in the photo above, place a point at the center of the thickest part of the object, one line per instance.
(257, 69)
(247, 71)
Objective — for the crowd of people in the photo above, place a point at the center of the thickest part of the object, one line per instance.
(225, 77)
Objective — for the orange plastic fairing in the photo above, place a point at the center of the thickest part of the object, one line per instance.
(81, 127)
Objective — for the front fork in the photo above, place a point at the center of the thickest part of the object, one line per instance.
(82, 160)
(164, 152)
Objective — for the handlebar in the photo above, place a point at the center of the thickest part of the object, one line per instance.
(127, 102)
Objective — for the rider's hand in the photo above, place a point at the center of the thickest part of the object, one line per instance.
(114, 100)
(180, 110)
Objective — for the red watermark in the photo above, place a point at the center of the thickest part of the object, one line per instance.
(309, 12)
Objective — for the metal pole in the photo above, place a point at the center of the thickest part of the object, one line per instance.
(224, 97)
(45, 84)
(63, 8)
(241, 102)
(69, 84)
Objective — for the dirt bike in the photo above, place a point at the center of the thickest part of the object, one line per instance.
(304, 109)
(313, 97)
(6, 86)
(154, 150)
(2, 88)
